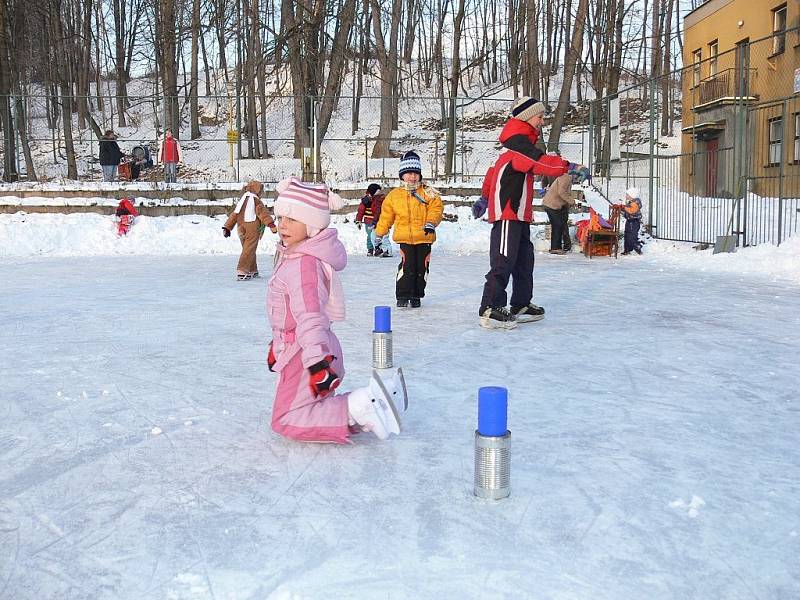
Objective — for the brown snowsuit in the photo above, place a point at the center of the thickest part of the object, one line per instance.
(250, 232)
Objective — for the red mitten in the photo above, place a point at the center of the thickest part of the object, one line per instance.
(323, 379)
(271, 360)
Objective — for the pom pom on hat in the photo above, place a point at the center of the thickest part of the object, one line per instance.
(633, 193)
(410, 163)
(527, 107)
(309, 203)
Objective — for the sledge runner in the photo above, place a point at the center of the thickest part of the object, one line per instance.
(304, 297)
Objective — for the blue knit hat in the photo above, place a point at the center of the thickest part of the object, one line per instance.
(410, 163)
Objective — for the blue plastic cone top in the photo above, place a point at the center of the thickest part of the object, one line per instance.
(383, 319)
(492, 411)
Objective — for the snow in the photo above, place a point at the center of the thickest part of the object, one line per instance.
(654, 416)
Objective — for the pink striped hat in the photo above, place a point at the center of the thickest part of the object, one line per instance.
(307, 202)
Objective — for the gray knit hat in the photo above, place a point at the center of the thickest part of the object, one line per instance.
(527, 107)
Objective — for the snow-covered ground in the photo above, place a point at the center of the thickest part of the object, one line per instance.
(654, 416)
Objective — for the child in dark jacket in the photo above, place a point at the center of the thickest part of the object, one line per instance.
(632, 211)
(369, 211)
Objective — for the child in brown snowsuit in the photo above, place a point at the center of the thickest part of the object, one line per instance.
(251, 217)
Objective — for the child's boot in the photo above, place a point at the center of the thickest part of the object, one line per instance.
(373, 408)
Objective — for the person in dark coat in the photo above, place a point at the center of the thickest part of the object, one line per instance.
(110, 155)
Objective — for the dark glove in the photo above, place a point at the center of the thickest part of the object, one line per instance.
(429, 228)
(358, 224)
(272, 228)
(479, 208)
(323, 379)
(226, 232)
(271, 360)
(579, 173)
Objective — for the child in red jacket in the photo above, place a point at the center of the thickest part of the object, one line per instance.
(369, 211)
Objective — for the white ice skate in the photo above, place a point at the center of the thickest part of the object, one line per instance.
(373, 407)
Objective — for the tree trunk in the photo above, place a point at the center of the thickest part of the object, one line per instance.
(387, 61)
(62, 74)
(9, 138)
(166, 39)
(455, 76)
(194, 117)
(338, 55)
(569, 72)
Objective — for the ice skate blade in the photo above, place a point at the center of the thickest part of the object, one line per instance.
(390, 403)
(494, 324)
(529, 318)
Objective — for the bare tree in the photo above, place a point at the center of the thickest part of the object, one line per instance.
(569, 71)
(387, 61)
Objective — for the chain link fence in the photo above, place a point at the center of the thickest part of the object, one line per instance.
(714, 147)
(231, 149)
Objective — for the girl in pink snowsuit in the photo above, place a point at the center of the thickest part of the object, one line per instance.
(304, 296)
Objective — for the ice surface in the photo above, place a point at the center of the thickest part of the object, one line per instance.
(654, 415)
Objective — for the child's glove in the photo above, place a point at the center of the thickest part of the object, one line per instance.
(323, 379)
(226, 232)
(358, 224)
(479, 208)
(429, 229)
(271, 360)
(273, 228)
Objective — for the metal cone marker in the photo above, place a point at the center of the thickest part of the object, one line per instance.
(492, 445)
(382, 338)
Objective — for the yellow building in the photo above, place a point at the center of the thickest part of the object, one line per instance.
(741, 98)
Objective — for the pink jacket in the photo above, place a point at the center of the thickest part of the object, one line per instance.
(303, 297)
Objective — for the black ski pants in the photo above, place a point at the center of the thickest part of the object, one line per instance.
(412, 272)
(510, 256)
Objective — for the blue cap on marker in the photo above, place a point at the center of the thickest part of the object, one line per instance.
(492, 411)
(383, 319)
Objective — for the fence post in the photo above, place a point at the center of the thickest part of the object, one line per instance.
(366, 160)
(785, 126)
(463, 146)
(591, 138)
(436, 157)
(651, 187)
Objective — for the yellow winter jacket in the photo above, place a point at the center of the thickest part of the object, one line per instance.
(408, 215)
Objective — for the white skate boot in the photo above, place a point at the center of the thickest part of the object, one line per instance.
(373, 407)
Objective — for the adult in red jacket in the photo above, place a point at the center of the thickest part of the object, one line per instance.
(169, 153)
(508, 187)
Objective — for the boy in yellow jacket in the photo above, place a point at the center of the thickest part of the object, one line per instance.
(414, 209)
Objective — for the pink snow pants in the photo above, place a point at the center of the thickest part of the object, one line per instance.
(299, 415)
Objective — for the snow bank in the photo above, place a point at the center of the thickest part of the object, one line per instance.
(55, 235)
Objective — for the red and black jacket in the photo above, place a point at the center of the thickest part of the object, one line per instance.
(508, 184)
(369, 209)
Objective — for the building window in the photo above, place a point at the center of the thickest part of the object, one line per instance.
(713, 50)
(697, 58)
(796, 137)
(775, 139)
(779, 29)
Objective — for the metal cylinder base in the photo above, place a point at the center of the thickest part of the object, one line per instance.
(381, 350)
(492, 466)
